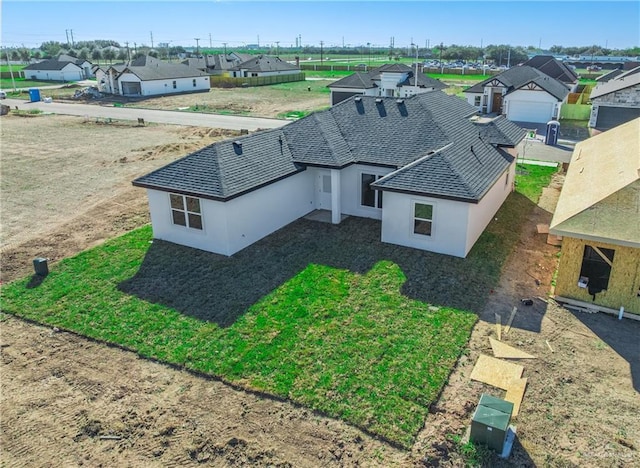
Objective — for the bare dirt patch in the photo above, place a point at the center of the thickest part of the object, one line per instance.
(70, 401)
(66, 182)
(260, 101)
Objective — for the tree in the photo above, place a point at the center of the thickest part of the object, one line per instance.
(25, 54)
(122, 55)
(51, 49)
(37, 54)
(96, 55)
(109, 54)
(83, 54)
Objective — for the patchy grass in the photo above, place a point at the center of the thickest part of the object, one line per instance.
(326, 316)
(530, 179)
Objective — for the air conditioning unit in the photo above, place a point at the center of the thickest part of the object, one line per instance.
(490, 422)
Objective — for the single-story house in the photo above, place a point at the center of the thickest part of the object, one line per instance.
(217, 64)
(615, 101)
(598, 218)
(148, 76)
(63, 68)
(426, 166)
(263, 65)
(522, 94)
(390, 80)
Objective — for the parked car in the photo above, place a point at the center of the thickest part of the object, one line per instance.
(594, 68)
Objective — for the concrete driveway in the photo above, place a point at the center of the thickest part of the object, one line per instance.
(229, 122)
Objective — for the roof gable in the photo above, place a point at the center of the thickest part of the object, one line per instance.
(265, 63)
(148, 68)
(51, 65)
(520, 77)
(552, 67)
(369, 79)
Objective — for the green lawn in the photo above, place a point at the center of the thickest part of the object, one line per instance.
(326, 316)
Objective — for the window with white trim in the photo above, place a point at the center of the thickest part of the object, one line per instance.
(477, 101)
(185, 211)
(369, 196)
(423, 219)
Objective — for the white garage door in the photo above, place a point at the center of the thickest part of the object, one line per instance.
(526, 111)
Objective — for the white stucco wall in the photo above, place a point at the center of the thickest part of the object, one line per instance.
(230, 226)
(350, 183)
(70, 72)
(156, 87)
(449, 225)
(481, 214)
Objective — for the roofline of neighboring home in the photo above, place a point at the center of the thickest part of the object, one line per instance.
(587, 237)
(350, 163)
(136, 183)
(160, 79)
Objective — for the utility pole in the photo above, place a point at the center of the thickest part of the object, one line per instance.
(66, 31)
(225, 48)
(151, 32)
(277, 47)
(197, 39)
(509, 58)
(321, 44)
(415, 78)
(441, 64)
(258, 40)
(128, 51)
(72, 41)
(13, 82)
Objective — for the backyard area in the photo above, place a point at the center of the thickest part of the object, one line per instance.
(318, 345)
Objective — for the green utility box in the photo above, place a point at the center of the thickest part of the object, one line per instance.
(491, 421)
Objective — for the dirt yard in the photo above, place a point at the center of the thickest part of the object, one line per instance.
(69, 401)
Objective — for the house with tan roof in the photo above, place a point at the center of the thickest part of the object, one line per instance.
(615, 101)
(425, 166)
(598, 217)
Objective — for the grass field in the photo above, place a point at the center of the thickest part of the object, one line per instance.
(323, 315)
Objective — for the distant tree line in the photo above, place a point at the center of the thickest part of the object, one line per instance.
(500, 54)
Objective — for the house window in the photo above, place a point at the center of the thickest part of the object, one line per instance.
(422, 219)
(254, 74)
(185, 211)
(596, 269)
(477, 101)
(194, 82)
(369, 196)
(175, 85)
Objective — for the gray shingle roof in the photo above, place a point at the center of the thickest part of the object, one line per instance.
(265, 63)
(224, 170)
(50, 65)
(148, 68)
(500, 131)
(552, 67)
(517, 77)
(366, 80)
(627, 79)
(396, 133)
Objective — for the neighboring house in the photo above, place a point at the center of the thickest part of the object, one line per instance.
(148, 76)
(442, 172)
(610, 75)
(217, 64)
(82, 63)
(615, 101)
(63, 68)
(598, 218)
(555, 69)
(522, 94)
(391, 80)
(263, 65)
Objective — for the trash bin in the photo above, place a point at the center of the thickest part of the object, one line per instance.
(34, 94)
(490, 422)
(40, 266)
(553, 129)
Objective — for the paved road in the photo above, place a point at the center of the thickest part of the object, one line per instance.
(230, 122)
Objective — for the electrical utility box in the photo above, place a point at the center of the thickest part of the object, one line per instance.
(490, 422)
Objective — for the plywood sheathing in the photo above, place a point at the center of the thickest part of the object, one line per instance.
(501, 350)
(501, 374)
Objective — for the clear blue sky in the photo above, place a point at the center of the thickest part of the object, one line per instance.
(545, 23)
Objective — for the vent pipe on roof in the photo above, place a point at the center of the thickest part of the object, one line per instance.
(400, 101)
(357, 99)
(378, 100)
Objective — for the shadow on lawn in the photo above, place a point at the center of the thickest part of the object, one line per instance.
(220, 289)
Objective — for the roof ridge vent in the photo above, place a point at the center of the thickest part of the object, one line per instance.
(378, 100)
(357, 99)
(400, 101)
